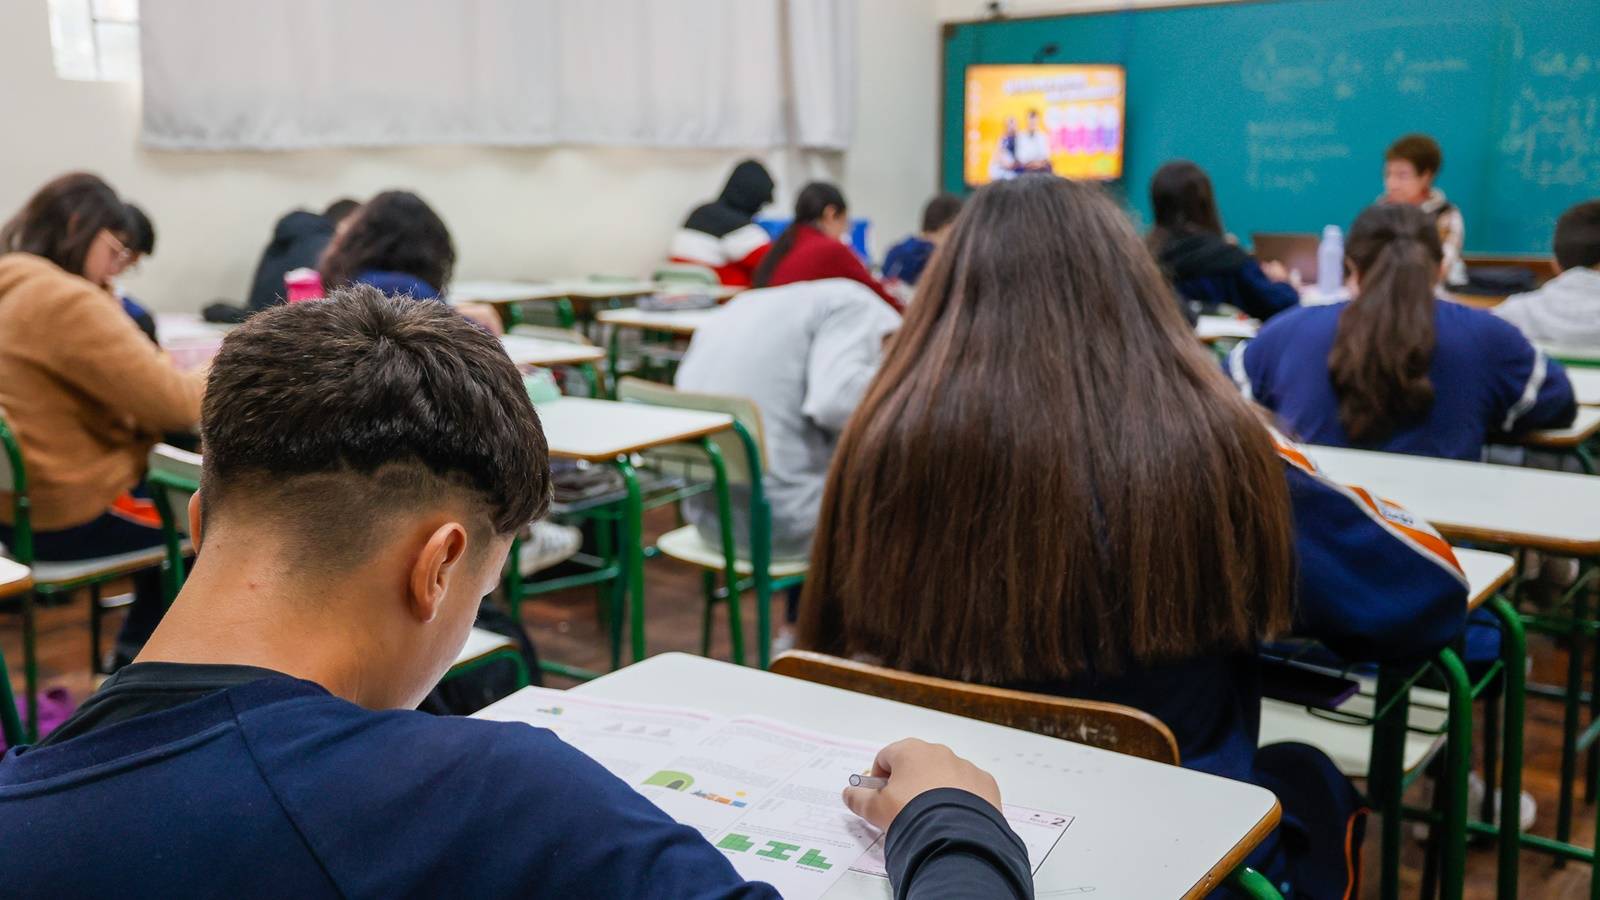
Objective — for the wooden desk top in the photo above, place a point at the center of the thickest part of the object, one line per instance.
(1216, 328)
(1583, 427)
(602, 430)
(1124, 805)
(679, 322)
(14, 578)
(1557, 512)
(531, 351)
(1486, 573)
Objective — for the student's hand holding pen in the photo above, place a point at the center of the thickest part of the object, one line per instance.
(910, 767)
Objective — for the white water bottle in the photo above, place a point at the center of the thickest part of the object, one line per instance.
(1330, 262)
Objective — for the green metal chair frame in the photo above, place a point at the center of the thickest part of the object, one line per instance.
(21, 550)
(735, 457)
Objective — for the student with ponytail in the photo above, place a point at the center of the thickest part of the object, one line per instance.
(1397, 368)
(810, 249)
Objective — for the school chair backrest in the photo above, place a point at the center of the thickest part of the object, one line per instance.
(685, 273)
(14, 481)
(735, 454)
(1107, 726)
(173, 477)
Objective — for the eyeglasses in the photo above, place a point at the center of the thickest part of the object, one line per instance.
(124, 255)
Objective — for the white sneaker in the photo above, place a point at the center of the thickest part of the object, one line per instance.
(547, 545)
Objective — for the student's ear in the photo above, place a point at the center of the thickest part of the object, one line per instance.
(435, 565)
(194, 520)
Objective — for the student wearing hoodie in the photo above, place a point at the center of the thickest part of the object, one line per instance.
(298, 241)
(723, 234)
(1566, 310)
(1409, 167)
(1203, 266)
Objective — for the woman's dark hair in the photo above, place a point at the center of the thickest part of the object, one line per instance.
(1182, 202)
(1384, 345)
(141, 237)
(61, 221)
(393, 232)
(814, 200)
(1002, 511)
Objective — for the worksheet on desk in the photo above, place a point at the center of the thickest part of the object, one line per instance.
(764, 793)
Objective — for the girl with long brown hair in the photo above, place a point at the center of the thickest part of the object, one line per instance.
(1397, 368)
(1049, 485)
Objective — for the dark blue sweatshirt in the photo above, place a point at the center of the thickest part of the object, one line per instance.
(1487, 379)
(275, 788)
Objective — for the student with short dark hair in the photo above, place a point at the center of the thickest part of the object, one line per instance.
(1566, 309)
(1410, 166)
(812, 247)
(1397, 368)
(298, 241)
(1128, 534)
(904, 261)
(86, 394)
(1203, 265)
(396, 243)
(367, 462)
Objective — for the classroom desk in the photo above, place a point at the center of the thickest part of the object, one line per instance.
(1508, 506)
(1585, 385)
(1569, 439)
(1142, 829)
(189, 340)
(1212, 329)
(675, 322)
(1571, 356)
(14, 578)
(605, 431)
(532, 351)
(1556, 512)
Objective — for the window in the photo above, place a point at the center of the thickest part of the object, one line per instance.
(95, 40)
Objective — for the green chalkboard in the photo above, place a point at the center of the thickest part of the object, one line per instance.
(1290, 104)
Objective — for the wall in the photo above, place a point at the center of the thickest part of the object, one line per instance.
(513, 212)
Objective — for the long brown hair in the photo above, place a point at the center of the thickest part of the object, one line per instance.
(1384, 347)
(1182, 203)
(1049, 474)
(62, 219)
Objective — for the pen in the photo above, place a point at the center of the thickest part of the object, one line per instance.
(870, 782)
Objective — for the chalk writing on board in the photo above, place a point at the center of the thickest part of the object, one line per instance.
(1285, 155)
(1347, 74)
(1412, 74)
(1552, 136)
(1284, 64)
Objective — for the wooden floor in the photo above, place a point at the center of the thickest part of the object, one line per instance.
(564, 628)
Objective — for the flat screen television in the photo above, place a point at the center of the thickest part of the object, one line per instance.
(1066, 119)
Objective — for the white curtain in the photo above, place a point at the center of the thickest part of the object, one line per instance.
(287, 74)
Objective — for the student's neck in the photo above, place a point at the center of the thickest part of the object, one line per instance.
(238, 608)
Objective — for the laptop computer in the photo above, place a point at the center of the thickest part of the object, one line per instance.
(1297, 252)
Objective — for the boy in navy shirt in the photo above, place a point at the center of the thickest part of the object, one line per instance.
(904, 261)
(367, 462)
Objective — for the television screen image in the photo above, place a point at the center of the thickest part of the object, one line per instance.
(1065, 119)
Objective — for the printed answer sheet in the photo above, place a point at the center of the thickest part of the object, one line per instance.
(765, 793)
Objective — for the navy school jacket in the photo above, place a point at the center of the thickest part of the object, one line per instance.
(1487, 379)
